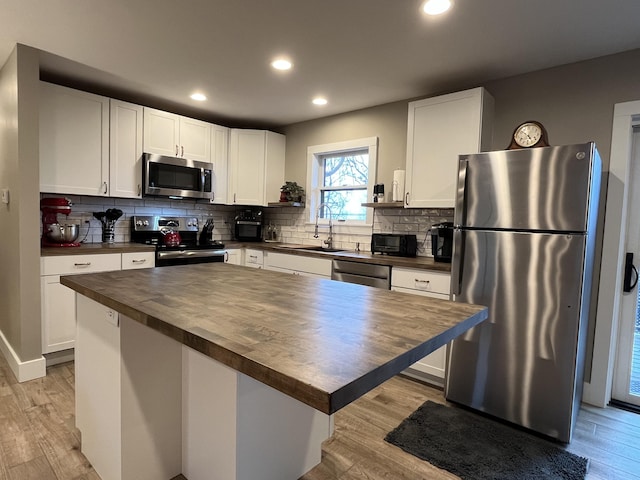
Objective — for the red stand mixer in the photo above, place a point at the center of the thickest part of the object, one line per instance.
(55, 234)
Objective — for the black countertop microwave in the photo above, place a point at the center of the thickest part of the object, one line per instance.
(394, 244)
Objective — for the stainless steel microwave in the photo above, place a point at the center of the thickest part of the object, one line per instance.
(176, 177)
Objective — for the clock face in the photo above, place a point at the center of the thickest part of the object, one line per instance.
(528, 134)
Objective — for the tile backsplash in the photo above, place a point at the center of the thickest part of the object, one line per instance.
(91, 232)
(292, 223)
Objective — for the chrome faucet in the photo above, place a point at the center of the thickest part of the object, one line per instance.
(329, 241)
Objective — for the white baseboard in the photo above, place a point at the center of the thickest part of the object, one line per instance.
(22, 370)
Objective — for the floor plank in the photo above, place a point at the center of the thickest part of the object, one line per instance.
(39, 441)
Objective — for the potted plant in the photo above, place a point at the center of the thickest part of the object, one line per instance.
(291, 192)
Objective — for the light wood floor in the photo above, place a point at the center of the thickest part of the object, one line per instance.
(38, 439)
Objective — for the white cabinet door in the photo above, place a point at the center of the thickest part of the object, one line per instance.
(256, 166)
(298, 264)
(176, 136)
(161, 132)
(247, 164)
(254, 258)
(219, 158)
(125, 150)
(234, 256)
(195, 139)
(74, 141)
(58, 312)
(439, 129)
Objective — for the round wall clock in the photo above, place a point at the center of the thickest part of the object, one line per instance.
(528, 135)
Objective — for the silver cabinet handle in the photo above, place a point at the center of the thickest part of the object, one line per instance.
(176, 150)
(182, 151)
(139, 261)
(234, 198)
(86, 264)
(406, 198)
(226, 257)
(417, 280)
(105, 186)
(139, 190)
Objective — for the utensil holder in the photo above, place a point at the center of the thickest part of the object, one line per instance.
(108, 231)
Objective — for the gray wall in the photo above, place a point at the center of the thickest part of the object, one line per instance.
(20, 220)
(574, 102)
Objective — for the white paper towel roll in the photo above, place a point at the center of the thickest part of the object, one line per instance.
(397, 187)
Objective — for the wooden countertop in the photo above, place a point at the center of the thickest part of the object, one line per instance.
(322, 342)
(425, 263)
(93, 248)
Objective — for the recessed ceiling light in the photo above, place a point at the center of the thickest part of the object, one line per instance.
(436, 7)
(281, 64)
(319, 101)
(200, 97)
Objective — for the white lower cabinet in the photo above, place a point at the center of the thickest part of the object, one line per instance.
(253, 258)
(58, 308)
(233, 256)
(430, 284)
(298, 265)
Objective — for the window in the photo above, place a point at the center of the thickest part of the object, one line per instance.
(341, 177)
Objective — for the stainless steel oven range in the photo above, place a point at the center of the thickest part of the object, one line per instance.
(163, 231)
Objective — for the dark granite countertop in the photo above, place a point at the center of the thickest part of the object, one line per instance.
(322, 342)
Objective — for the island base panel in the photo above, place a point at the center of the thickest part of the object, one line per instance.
(240, 428)
(128, 395)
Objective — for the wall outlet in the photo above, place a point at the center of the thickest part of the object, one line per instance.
(5, 196)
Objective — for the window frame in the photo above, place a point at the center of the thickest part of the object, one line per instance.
(315, 156)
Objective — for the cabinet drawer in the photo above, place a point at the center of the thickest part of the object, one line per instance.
(70, 264)
(254, 258)
(421, 280)
(133, 260)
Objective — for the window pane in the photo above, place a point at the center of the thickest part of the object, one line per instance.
(346, 169)
(344, 204)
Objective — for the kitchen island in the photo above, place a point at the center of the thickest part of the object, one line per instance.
(221, 371)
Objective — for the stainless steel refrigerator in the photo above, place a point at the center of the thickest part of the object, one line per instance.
(524, 240)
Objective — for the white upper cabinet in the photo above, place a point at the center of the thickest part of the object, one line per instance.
(125, 150)
(74, 141)
(256, 166)
(220, 158)
(439, 129)
(176, 136)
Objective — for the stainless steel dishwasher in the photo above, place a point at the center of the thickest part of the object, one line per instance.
(361, 273)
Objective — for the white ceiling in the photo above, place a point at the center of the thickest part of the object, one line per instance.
(358, 53)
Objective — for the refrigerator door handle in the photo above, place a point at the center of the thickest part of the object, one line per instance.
(458, 257)
(629, 269)
(460, 213)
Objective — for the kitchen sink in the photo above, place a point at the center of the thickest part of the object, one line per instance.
(321, 249)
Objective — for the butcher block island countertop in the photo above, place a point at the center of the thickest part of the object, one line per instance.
(322, 342)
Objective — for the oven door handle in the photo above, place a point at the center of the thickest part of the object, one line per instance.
(190, 254)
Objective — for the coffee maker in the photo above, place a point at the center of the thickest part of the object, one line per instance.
(442, 241)
(55, 234)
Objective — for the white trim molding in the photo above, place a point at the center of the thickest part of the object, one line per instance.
(598, 391)
(23, 371)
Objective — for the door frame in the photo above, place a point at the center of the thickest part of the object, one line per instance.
(598, 391)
